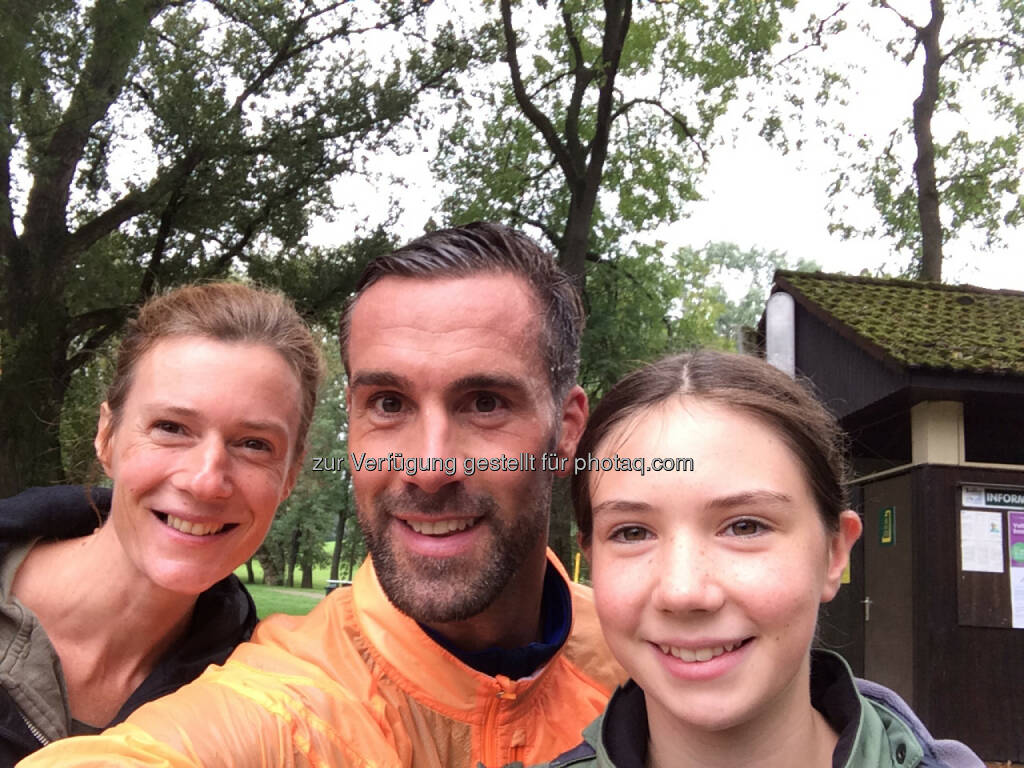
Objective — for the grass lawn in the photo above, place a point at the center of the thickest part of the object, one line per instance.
(297, 602)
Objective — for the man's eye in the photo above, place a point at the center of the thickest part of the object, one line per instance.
(746, 528)
(485, 403)
(170, 427)
(631, 533)
(388, 403)
(255, 444)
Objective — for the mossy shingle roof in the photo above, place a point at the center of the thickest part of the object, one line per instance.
(918, 324)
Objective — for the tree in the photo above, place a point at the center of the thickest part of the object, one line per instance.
(146, 144)
(597, 128)
(307, 519)
(954, 163)
(602, 125)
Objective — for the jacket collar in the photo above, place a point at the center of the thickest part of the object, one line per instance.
(398, 644)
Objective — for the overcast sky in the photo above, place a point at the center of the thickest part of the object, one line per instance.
(754, 195)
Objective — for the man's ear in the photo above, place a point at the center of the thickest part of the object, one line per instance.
(573, 416)
(104, 434)
(293, 475)
(839, 552)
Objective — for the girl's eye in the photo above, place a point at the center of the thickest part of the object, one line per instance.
(630, 533)
(745, 527)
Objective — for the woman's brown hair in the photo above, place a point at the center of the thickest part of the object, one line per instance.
(228, 312)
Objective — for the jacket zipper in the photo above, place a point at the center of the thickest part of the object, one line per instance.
(492, 749)
(33, 730)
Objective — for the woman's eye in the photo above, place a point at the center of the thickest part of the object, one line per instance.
(631, 533)
(746, 528)
(169, 427)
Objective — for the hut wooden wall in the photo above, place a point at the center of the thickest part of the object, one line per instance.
(968, 681)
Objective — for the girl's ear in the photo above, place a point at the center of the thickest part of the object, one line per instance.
(583, 545)
(839, 548)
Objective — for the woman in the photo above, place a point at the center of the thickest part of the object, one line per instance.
(708, 577)
(202, 433)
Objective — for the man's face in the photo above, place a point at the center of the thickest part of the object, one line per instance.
(449, 370)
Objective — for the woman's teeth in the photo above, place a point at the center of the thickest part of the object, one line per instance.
(698, 654)
(440, 527)
(195, 529)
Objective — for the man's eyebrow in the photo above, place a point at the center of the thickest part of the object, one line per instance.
(487, 381)
(622, 505)
(379, 379)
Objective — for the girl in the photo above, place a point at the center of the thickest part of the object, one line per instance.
(708, 578)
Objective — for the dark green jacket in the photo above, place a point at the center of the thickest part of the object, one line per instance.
(876, 728)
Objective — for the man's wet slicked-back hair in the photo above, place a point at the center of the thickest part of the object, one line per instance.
(747, 384)
(488, 248)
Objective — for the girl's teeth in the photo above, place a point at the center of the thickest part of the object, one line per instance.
(698, 654)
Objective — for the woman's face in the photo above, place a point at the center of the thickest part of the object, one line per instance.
(708, 582)
(203, 453)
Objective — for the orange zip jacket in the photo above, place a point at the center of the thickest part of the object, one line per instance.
(357, 683)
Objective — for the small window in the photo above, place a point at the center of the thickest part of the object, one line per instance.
(994, 430)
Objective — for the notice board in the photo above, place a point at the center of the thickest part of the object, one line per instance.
(990, 557)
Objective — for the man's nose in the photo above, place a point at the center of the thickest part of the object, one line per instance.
(688, 578)
(436, 453)
(206, 473)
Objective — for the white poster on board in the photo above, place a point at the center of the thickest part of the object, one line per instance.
(981, 541)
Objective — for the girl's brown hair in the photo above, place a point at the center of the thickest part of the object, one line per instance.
(745, 383)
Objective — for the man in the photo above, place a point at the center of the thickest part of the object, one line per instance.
(461, 640)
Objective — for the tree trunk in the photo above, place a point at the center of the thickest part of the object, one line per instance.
(32, 386)
(560, 537)
(292, 559)
(271, 571)
(250, 575)
(924, 164)
(307, 576)
(339, 540)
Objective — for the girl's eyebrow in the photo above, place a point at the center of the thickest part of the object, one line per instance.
(621, 505)
(742, 499)
(748, 498)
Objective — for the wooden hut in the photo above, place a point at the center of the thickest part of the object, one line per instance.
(928, 380)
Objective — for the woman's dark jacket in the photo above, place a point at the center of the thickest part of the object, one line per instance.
(33, 699)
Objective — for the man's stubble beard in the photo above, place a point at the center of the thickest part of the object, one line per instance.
(441, 590)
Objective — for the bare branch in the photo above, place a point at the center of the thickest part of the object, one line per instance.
(533, 114)
(677, 120)
(583, 77)
(816, 35)
(905, 19)
(967, 43)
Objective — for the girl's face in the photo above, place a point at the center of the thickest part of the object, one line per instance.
(708, 582)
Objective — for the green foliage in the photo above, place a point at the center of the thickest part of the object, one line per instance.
(308, 517)
(978, 123)
(678, 72)
(144, 145)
